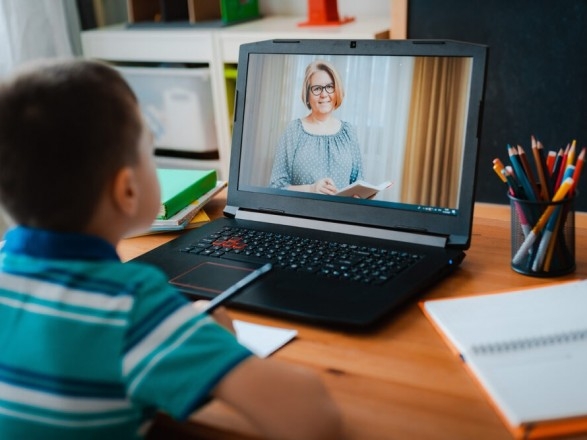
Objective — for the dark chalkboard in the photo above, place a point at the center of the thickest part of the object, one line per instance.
(536, 77)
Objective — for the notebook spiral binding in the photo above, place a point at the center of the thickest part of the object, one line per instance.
(530, 343)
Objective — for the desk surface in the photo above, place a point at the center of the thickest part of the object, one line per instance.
(400, 381)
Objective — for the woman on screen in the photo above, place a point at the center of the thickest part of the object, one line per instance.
(318, 153)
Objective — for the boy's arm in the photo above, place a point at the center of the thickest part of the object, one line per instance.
(282, 400)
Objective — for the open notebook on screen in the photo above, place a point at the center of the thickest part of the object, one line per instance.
(314, 116)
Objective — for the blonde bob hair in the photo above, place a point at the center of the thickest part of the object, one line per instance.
(325, 66)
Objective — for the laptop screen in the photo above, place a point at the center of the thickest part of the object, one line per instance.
(315, 116)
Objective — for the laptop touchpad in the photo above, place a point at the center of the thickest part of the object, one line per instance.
(211, 277)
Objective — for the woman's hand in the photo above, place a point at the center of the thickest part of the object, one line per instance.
(220, 315)
(324, 186)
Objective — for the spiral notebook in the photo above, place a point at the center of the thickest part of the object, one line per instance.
(528, 351)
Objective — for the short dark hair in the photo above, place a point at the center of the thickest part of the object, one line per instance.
(66, 128)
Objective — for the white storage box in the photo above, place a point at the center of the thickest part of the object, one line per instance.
(177, 103)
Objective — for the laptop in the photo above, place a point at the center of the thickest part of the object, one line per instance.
(412, 110)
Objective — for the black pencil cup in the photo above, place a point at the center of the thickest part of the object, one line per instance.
(543, 237)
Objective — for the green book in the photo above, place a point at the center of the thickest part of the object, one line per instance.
(180, 187)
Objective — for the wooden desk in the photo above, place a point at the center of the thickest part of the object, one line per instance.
(400, 381)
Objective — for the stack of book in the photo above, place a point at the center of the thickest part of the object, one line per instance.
(183, 194)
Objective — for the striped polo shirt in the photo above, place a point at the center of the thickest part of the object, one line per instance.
(91, 347)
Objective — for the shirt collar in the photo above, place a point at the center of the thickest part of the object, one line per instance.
(43, 243)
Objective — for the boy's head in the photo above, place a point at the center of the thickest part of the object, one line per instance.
(66, 129)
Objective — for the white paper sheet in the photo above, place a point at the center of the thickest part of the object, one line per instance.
(261, 339)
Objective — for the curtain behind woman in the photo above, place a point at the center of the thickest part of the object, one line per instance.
(436, 131)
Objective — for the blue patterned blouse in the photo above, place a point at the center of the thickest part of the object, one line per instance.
(303, 158)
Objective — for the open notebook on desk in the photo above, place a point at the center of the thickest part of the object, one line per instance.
(528, 351)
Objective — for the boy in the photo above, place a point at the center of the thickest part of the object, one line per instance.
(91, 347)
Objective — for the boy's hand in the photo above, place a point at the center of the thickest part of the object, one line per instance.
(220, 315)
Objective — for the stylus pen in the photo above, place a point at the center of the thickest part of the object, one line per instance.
(217, 301)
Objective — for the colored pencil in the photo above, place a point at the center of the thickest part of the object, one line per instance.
(529, 241)
(571, 155)
(541, 171)
(520, 174)
(578, 168)
(562, 167)
(547, 236)
(528, 171)
(556, 169)
(551, 245)
(550, 161)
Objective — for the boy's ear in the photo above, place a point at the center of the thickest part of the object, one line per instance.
(125, 191)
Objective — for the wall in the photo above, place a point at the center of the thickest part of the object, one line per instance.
(537, 73)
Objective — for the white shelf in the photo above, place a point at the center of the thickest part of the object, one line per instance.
(178, 162)
(120, 43)
(214, 47)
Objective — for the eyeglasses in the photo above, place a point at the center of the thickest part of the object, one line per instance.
(317, 90)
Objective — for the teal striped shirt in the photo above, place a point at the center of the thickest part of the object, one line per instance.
(91, 347)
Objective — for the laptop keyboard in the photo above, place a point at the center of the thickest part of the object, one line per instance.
(370, 265)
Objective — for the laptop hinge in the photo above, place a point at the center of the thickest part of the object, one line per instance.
(230, 211)
(344, 228)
